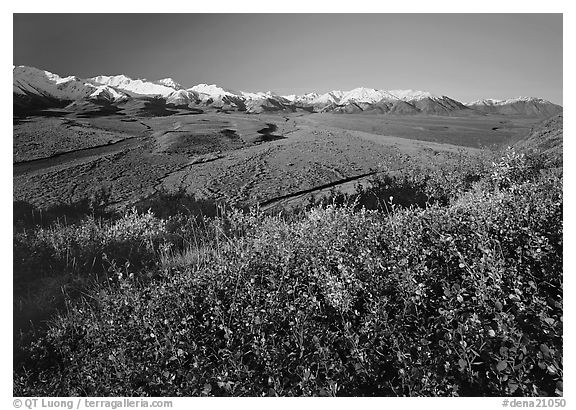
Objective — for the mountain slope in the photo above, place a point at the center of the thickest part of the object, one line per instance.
(526, 106)
(183, 98)
(34, 88)
(438, 105)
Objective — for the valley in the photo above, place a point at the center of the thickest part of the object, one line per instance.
(237, 158)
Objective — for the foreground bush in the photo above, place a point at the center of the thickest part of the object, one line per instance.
(463, 299)
(57, 263)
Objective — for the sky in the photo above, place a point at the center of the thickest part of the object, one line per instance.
(464, 56)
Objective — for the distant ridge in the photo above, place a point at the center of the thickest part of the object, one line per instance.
(34, 88)
(527, 106)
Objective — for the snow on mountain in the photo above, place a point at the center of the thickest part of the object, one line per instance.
(261, 95)
(332, 97)
(55, 77)
(313, 99)
(109, 94)
(306, 98)
(485, 101)
(361, 95)
(366, 95)
(273, 103)
(32, 86)
(142, 87)
(253, 96)
(213, 90)
(221, 98)
(29, 80)
(525, 106)
(169, 82)
(410, 95)
(290, 97)
(182, 97)
(495, 102)
(32, 82)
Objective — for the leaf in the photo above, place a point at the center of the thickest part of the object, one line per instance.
(544, 349)
(207, 388)
(541, 365)
(462, 363)
(502, 365)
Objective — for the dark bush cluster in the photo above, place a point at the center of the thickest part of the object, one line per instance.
(455, 297)
(415, 182)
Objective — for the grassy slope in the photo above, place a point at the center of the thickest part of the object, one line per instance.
(545, 139)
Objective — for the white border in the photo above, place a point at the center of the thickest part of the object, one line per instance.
(419, 6)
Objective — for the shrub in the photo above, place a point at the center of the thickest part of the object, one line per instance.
(459, 295)
(79, 248)
(463, 299)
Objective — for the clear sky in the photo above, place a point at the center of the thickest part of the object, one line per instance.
(464, 56)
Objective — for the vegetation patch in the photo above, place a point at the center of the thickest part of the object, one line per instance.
(456, 296)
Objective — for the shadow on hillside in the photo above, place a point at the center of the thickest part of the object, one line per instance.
(383, 193)
(164, 204)
(268, 133)
(27, 215)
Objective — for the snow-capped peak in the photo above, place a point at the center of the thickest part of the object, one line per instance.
(496, 102)
(302, 98)
(64, 80)
(331, 97)
(411, 95)
(182, 97)
(258, 95)
(169, 82)
(29, 78)
(213, 90)
(308, 96)
(107, 93)
(486, 101)
(366, 95)
(143, 87)
(120, 78)
(32, 81)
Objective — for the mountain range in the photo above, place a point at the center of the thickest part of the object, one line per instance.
(34, 89)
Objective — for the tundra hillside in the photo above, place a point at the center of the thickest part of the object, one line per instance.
(444, 283)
